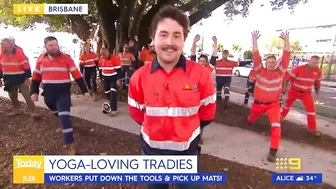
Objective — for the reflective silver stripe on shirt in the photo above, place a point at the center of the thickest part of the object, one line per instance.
(171, 111)
(209, 100)
(132, 102)
(268, 88)
(56, 81)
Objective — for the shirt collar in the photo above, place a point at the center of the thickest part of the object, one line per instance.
(180, 63)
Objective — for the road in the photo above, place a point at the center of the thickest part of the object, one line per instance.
(327, 94)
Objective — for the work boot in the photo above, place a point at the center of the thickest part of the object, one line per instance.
(314, 133)
(113, 113)
(272, 155)
(14, 112)
(70, 149)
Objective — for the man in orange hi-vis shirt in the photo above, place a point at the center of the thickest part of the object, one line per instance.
(268, 88)
(148, 55)
(302, 79)
(127, 63)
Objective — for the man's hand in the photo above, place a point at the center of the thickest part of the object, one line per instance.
(284, 90)
(197, 38)
(34, 97)
(285, 36)
(214, 39)
(136, 38)
(255, 35)
(87, 96)
(0, 83)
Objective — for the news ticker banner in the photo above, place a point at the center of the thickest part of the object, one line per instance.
(51, 9)
(110, 170)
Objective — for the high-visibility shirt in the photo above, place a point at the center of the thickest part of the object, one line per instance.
(126, 59)
(14, 68)
(109, 66)
(143, 54)
(88, 59)
(303, 79)
(268, 85)
(55, 75)
(171, 113)
(146, 56)
(209, 67)
(224, 68)
(252, 76)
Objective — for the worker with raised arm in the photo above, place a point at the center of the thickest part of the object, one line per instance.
(203, 59)
(250, 86)
(172, 98)
(267, 91)
(302, 80)
(223, 69)
(53, 69)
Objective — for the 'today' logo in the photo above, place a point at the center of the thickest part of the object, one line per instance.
(28, 164)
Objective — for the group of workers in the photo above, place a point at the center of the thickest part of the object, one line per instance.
(172, 98)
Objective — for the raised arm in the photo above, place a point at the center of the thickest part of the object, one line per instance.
(257, 65)
(193, 48)
(283, 66)
(214, 52)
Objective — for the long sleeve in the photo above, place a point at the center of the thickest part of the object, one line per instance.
(257, 65)
(285, 59)
(37, 79)
(77, 75)
(26, 67)
(136, 102)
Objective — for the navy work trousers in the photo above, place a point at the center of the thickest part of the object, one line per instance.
(60, 107)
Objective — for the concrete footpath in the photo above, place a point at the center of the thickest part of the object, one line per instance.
(234, 144)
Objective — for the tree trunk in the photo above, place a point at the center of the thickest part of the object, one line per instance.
(108, 13)
(99, 42)
(79, 26)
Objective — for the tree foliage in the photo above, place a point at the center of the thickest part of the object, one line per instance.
(237, 48)
(220, 48)
(119, 20)
(247, 55)
(276, 45)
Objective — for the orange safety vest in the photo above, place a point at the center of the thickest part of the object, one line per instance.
(55, 75)
(224, 67)
(252, 76)
(170, 112)
(88, 59)
(210, 68)
(55, 71)
(14, 64)
(268, 85)
(126, 58)
(303, 79)
(109, 66)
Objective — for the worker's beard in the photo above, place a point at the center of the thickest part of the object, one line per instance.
(54, 53)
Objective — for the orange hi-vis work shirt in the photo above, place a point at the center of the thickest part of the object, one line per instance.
(88, 59)
(268, 85)
(148, 58)
(55, 75)
(109, 66)
(14, 67)
(171, 113)
(224, 68)
(210, 68)
(252, 76)
(303, 79)
(126, 58)
(144, 53)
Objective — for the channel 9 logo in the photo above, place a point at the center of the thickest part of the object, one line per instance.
(285, 164)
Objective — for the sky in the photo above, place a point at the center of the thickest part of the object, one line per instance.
(238, 31)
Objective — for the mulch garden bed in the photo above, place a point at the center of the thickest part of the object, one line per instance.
(236, 115)
(21, 135)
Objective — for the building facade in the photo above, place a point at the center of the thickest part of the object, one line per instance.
(318, 40)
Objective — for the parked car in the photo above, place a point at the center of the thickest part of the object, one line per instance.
(243, 69)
